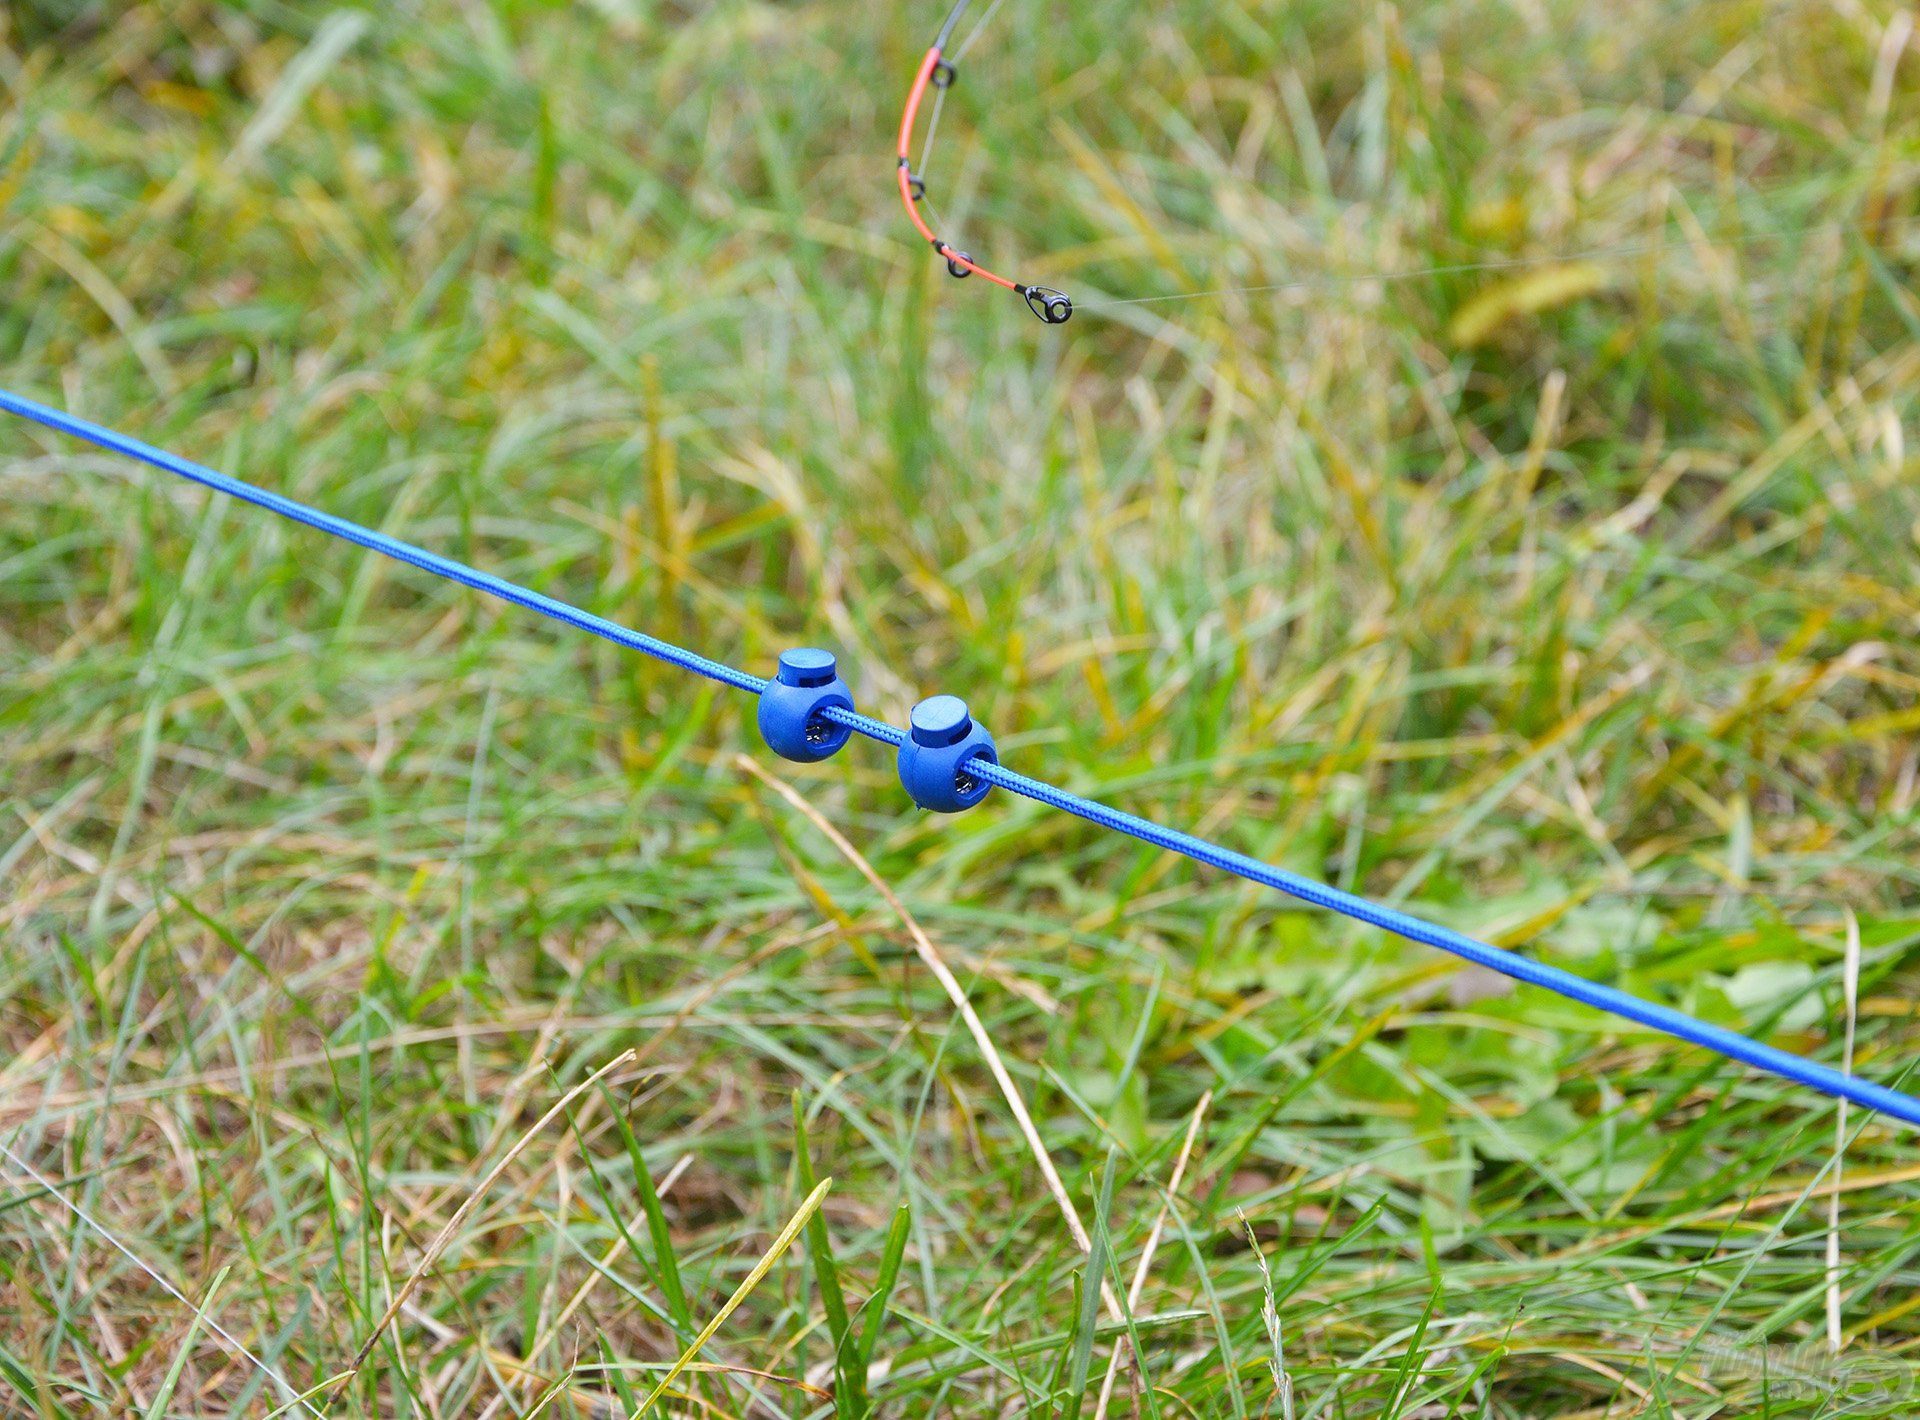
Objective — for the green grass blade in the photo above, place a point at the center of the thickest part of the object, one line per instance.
(666, 1264)
(850, 1393)
(1081, 1365)
(883, 1284)
(163, 1397)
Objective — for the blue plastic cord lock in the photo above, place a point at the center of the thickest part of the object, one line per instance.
(806, 683)
(941, 738)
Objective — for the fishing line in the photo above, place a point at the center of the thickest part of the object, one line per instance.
(933, 127)
(960, 51)
(1719, 241)
(59, 1195)
(981, 764)
(940, 93)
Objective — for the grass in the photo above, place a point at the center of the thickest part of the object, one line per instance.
(1572, 603)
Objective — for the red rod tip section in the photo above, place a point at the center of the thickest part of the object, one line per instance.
(1049, 305)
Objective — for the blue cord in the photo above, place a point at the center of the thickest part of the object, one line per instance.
(1564, 983)
(379, 542)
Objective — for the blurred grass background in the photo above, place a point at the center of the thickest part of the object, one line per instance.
(1571, 603)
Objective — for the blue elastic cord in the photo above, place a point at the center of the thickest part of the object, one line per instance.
(1564, 983)
(379, 542)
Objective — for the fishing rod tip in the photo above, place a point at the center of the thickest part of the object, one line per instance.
(1050, 305)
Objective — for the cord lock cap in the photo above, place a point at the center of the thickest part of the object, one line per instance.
(808, 682)
(942, 737)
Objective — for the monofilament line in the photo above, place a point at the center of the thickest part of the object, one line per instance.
(1654, 1016)
(933, 127)
(960, 50)
(940, 94)
(58, 1194)
(1724, 240)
